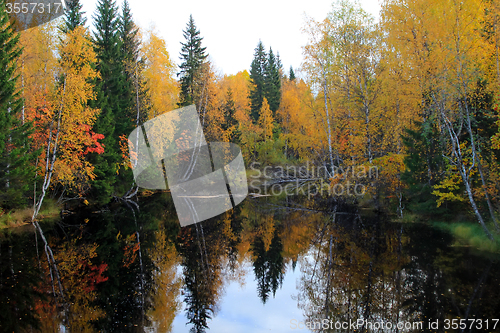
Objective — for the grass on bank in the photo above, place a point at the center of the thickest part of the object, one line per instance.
(472, 234)
(18, 217)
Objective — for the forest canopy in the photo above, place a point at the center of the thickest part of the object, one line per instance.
(415, 94)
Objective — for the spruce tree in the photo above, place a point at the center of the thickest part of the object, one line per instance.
(424, 166)
(110, 97)
(193, 56)
(16, 174)
(292, 74)
(130, 54)
(272, 81)
(230, 123)
(73, 16)
(129, 39)
(133, 66)
(257, 78)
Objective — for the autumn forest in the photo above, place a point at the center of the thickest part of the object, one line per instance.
(415, 95)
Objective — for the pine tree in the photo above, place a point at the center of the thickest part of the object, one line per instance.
(73, 16)
(257, 78)
(292, 74)
(272, 81)
(16, 174)
(110, 96)
(193, 56)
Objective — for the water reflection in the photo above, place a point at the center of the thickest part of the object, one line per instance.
(135, 270)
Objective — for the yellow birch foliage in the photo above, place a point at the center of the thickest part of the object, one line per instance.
(76, 138)
(159, 72)
(59, 108)
(238, 84)
(37, 65)
(297, 118)
(266, 120)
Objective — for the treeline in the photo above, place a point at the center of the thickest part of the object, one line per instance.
(415, 94)
(72, 95)
(70, 98)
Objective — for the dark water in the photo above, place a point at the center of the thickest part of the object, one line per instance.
(279, 265)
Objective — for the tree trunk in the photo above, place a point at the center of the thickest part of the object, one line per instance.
(473, 204)
(488, 201)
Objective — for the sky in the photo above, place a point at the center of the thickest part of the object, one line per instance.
(242, 311)
(231, 29)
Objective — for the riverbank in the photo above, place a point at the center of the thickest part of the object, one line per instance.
(20, 217)
(471, 234)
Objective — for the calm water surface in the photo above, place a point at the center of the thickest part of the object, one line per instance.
(272, 265)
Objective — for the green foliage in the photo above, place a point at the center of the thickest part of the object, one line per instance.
(73, 16)
(230, 124)
(130, 53)
(16, 173)
(265, 78)
(471, 234)
(271, 152)
(130, 44)
(193, 56)
(424, 166)
(128, 35)
(272, 80)
(257, 79)
(114, 41)
(292, 74)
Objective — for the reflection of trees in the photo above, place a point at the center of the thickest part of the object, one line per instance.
(448, 282)
(32, 304)
(353, 272)
(352, 268)
(203, 247)
(377, 271)
(19, 277)
(166, 284)
(268, 266)
(80, 275)
(116, 295)
(276, 234)
(122, 295)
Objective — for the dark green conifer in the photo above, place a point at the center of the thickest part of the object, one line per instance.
(257, 78)
(272, 81)
(292, 74)
(111, 88)
(129, 38)
(128, 32)
(230, 121)
(424, 166)
(16, 174)
(73, 16)
(193, 55)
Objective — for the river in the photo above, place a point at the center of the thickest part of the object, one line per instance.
(273, 264)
